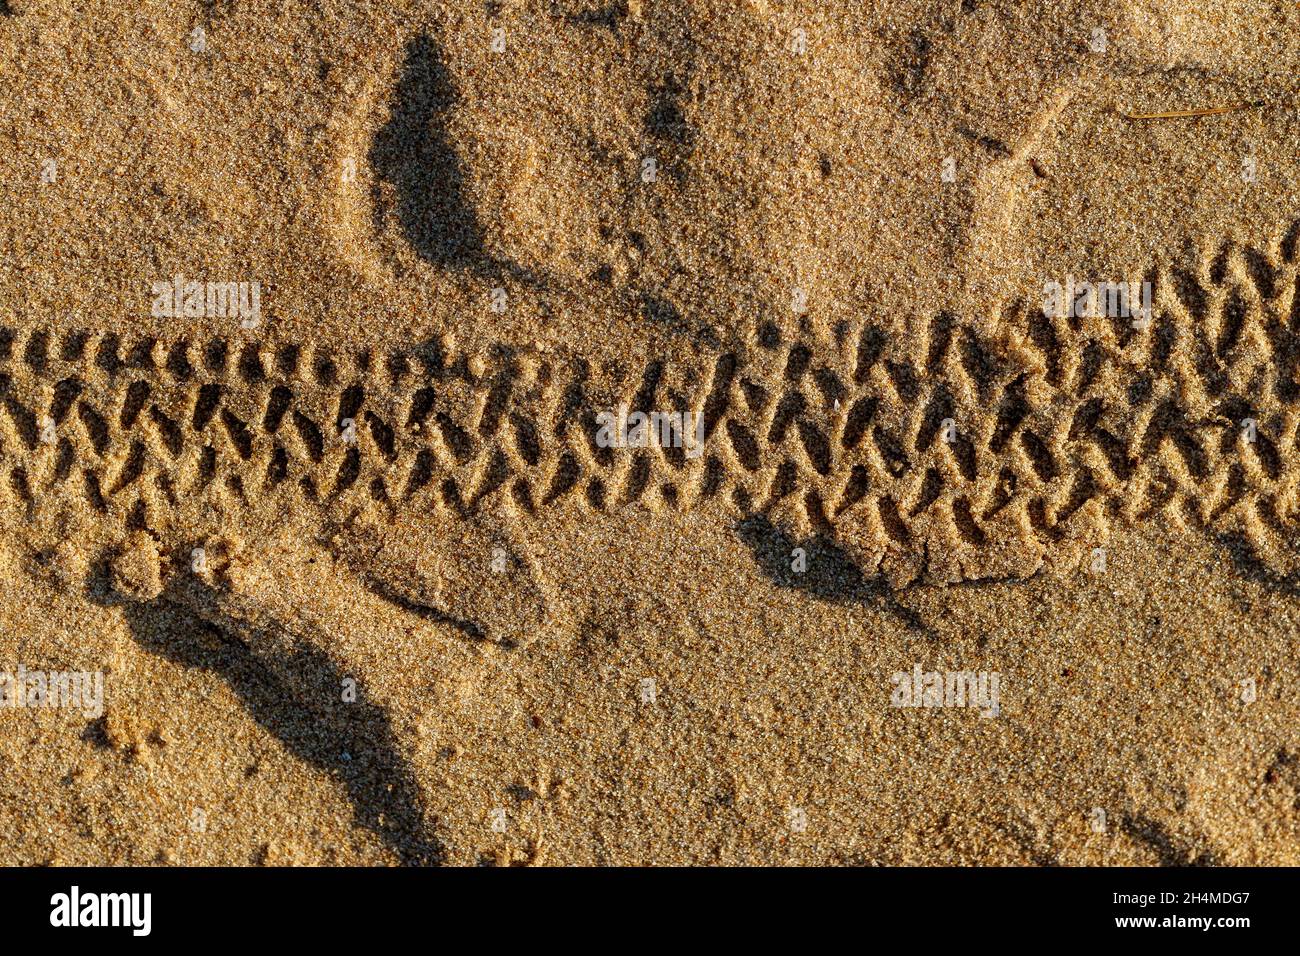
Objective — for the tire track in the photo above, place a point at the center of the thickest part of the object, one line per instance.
(958, 454)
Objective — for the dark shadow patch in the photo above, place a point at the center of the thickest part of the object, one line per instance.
(666, 119)
(416, 155)
(214, 10)
(831, 574)
(994, 145)
(423, 611)
(911, 64)
(1029, 844)
(1246, 559)
(662, 312)
(609, 17)
(298, 698)
(1169, 850)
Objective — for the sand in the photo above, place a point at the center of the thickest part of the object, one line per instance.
(336, 528)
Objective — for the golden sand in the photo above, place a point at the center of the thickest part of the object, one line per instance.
(364, 587)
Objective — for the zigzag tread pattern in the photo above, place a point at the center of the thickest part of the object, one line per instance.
(1058, 426)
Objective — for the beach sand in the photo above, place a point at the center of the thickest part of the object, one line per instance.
(307, 316)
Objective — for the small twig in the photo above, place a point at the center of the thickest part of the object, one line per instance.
(1184, 114)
